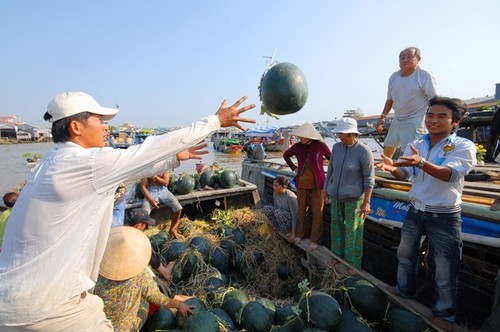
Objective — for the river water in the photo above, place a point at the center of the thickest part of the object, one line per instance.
(14, 169)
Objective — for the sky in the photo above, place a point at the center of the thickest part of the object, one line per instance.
(169, 63)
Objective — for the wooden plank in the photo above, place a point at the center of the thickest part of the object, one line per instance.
(482, 187)
(339, 265)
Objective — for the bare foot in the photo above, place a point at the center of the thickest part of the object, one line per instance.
(166, 271)
(297, 240)
(175, 234)
(313, 246)
(291, 238)
(443, 324)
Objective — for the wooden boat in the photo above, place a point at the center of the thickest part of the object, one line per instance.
(241, 195)
(481, 251)
(271, 138)
(228, 145)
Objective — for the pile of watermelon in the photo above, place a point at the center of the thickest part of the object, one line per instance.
(241, 281)
(186, 183)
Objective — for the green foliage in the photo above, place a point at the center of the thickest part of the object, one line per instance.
(32, 157)
(484, 108)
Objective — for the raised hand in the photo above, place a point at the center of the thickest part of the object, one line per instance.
(194, 152)
(412, 160)
(229, 116)
(387, 164)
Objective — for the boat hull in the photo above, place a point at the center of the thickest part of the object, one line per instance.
(382, 229)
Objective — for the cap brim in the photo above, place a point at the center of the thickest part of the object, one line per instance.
(107, 113)
(151, 222)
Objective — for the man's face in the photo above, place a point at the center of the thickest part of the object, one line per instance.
(439, 120)
(93, 133)
(408, 61)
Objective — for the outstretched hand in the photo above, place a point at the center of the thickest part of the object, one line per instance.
(229, 116)
(387, 164)
(193, 152)
(412, 160)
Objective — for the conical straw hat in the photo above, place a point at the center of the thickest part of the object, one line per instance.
(127, 253)
(307, 130)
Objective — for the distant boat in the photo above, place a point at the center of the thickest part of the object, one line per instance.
(228, 145)
(271, 137)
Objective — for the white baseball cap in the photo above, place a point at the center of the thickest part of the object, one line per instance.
(347, 126)
(71, 103)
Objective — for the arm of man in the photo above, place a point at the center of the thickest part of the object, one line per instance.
(163, 179)
(383, 116)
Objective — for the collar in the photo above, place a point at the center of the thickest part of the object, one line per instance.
(452, 138)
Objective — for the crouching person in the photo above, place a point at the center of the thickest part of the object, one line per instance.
(126, 284)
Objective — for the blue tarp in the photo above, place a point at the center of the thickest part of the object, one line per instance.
(261, 131)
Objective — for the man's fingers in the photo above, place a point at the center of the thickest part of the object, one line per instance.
(239, 101)
(246, 108)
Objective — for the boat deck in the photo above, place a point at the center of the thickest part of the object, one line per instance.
(242, 194)
(480, 262)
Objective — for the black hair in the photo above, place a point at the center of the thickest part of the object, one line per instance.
(282, 181)
(60, 128)
(457, 106)
(10, 198)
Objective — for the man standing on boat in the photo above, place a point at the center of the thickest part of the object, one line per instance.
(437, 164)
(60, 224)
(409, 91)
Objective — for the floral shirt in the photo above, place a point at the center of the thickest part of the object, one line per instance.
(126, 302)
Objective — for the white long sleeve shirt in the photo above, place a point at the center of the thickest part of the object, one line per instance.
(59, 227)
(430, 194)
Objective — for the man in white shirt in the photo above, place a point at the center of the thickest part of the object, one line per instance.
(437, 164)
(60, 224)
(409, 91)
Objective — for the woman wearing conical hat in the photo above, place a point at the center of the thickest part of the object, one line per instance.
(126, 284)
(310, 153)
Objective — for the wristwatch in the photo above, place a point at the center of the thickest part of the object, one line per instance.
(422, 162)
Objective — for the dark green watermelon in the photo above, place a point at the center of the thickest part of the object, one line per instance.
(220, 260)
(202, 322)
(191, 263)
(320, 310)
(285, 314)
(268, 304)
(256, 318)
(400, 319)
(214, 283)
(177, 275)
(283, 89)
(162, 319)
(228, 247)
(185, 184)
(158, 241)
(228, 179)
(172, 183)
(369, 301)
(351, 322)
(224, 319)
(284, 270)
(208, 179)
(233, 301)
(199, 306)
(239, 236)
(201, 244)
(173, 251)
